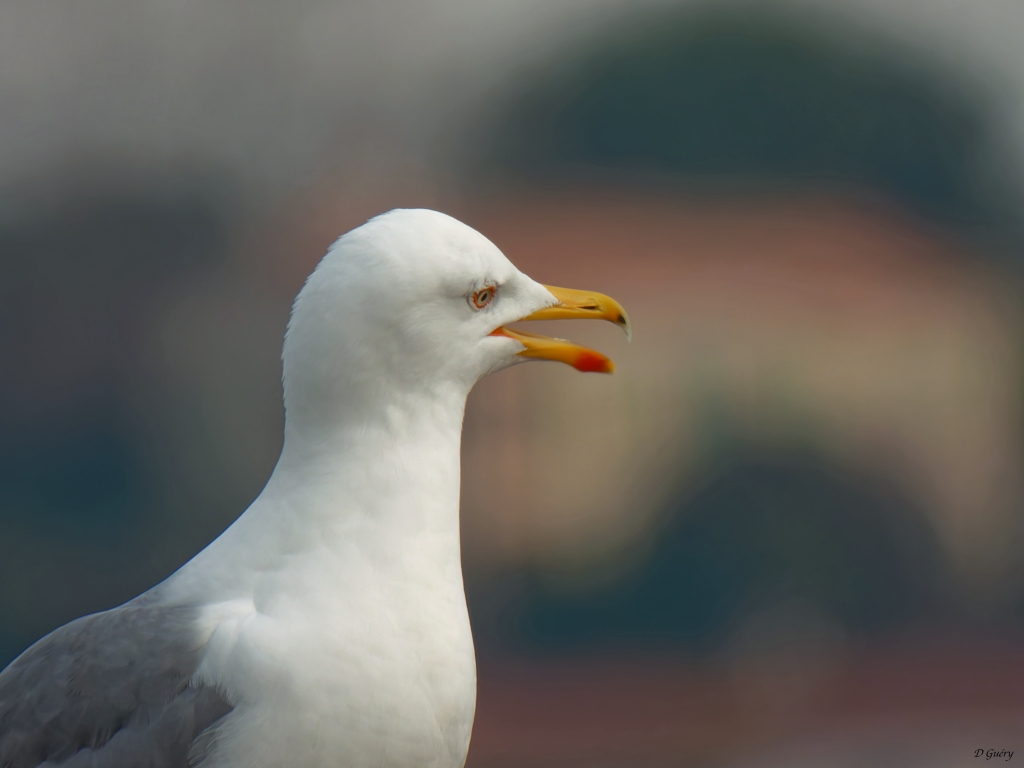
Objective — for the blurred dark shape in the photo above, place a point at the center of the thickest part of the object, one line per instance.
(749, 98)
(758, 532)
(81, 480)
(79, 278)
(76, 277)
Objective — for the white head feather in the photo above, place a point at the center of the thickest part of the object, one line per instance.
(386, 318)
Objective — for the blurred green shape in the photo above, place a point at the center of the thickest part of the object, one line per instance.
(751, 97)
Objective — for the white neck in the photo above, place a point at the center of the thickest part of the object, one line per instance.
(382, 486)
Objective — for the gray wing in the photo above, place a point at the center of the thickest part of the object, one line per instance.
(109, 690)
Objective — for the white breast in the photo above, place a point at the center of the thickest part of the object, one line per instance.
(370, 671)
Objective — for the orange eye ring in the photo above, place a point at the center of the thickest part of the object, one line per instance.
(483, 297)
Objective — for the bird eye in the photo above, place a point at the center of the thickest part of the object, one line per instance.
(483, 297)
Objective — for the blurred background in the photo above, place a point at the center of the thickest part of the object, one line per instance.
(787, 532)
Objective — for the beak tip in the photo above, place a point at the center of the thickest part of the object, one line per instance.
(627, 328)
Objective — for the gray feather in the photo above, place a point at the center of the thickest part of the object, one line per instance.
(109, 690)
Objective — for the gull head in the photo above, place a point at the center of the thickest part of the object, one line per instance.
(414, 302)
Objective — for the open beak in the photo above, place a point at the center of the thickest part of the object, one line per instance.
(572, 305)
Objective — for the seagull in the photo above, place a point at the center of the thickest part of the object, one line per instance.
(327, 626)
